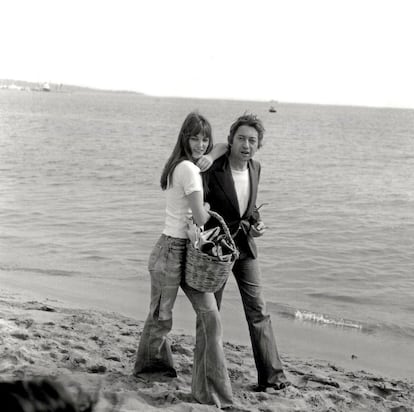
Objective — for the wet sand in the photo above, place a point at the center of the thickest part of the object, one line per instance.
(96, 349)
(347, 348)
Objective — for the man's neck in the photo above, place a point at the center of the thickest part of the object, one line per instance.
(237, 164)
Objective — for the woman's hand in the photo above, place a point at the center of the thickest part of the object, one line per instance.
(218, 150)
(204, 162)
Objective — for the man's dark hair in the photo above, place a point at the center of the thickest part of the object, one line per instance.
(251, 120)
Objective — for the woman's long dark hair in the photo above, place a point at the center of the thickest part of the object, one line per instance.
(193, 125)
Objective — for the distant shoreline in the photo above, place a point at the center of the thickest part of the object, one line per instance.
(63, 87)
(23, 85)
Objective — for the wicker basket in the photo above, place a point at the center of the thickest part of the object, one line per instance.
(208, 273)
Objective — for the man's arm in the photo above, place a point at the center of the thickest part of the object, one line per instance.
(257, 227)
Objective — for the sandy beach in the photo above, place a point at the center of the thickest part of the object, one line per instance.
(96, 349)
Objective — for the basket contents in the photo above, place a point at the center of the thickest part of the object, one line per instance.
(213, 242)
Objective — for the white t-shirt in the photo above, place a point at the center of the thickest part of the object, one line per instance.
(186, 179)
(242, 186)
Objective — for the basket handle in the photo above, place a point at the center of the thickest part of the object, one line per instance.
(225, 229)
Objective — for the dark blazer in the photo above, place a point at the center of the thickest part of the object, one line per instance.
(221, 194)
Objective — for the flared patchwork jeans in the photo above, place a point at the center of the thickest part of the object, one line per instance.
(210, 379)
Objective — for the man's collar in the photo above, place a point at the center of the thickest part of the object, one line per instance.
(226, 163)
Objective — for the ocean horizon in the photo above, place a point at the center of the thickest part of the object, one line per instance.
(29, 86)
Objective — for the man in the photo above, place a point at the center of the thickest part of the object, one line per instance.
(232, 184)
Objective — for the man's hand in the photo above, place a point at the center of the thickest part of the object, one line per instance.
(204, 163)
(258, 229)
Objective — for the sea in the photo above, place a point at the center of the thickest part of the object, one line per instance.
(80, 197)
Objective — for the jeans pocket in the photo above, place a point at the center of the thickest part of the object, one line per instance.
(175, 263)
(154, 256)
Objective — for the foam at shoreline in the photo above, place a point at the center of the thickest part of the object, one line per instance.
(345, 346)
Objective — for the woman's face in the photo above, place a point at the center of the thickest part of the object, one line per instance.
(198, 145)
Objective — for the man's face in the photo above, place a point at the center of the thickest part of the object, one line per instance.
(245, 143)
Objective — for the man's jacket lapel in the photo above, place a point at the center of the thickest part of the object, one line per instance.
(253, 176)
(225, 181)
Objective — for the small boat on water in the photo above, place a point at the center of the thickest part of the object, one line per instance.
(272, 109)
(46, 87)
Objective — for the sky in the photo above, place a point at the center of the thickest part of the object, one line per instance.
(346, 52)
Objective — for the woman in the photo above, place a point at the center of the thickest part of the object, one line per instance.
(184, 191)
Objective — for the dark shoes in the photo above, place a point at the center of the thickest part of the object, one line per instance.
(277, 386)
(154, 372)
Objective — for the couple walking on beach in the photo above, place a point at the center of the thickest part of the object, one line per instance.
(228, 185)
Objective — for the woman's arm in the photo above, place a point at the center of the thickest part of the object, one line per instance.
(218, 150)
(199, 210)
